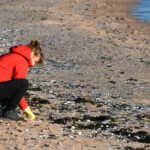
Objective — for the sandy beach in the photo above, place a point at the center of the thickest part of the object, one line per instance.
(93, 92)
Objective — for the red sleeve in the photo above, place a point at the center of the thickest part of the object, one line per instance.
(23, 104)
(20, 72)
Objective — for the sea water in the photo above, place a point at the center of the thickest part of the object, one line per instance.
(142, 11)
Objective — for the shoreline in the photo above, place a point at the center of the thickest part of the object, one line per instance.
(139, 23)
(143, 20)
(135, 21)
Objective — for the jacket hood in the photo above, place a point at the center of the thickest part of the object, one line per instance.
(23, 50)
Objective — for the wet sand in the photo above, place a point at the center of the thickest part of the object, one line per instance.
(93, 90)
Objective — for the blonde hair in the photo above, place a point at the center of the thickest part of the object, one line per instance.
(35, 47)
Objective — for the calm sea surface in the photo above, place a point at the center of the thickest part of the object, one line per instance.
(143, 10)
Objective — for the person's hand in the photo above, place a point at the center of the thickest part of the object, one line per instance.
(29, 113)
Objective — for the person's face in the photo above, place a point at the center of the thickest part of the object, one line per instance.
(34, 58)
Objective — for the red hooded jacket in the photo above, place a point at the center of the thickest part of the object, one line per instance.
(14, 65)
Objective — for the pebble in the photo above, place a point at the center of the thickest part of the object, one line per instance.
(27, 130)
(79, 133)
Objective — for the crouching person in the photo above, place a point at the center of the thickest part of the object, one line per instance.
(13, 83)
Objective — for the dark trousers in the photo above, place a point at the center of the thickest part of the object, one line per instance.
(11, 92)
